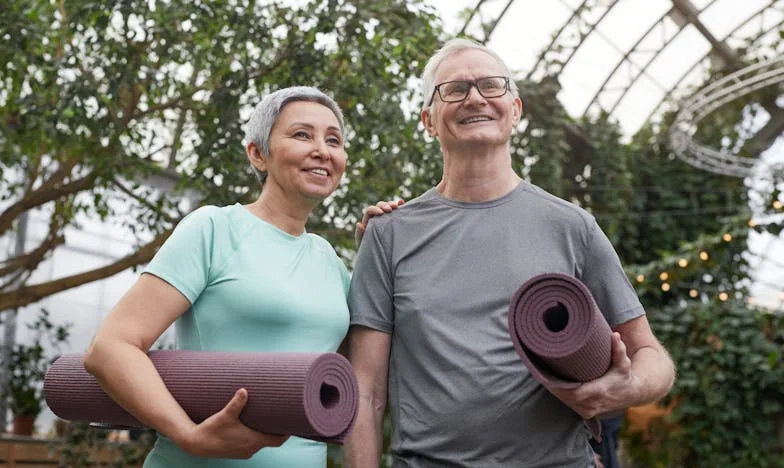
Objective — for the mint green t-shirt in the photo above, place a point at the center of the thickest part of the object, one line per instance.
(252, 287)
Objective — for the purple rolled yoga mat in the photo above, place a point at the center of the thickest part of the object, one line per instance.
(560, 334)
(310, 395)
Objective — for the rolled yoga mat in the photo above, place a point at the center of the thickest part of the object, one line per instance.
(310, 395)
(560, 334)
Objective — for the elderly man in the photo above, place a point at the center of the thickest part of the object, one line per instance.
(430, 294)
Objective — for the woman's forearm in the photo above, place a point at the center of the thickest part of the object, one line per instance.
(128, 376)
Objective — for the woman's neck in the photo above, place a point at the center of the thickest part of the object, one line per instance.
(282, 213)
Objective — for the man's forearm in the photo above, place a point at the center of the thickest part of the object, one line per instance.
(656, 374)
(363, 447)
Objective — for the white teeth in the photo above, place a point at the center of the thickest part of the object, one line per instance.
(321, 172)
(475, 119)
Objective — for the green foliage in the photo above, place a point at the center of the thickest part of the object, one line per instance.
(28, 364)
(82, 442)
(121, 110)
(730, 388)
(541, 150)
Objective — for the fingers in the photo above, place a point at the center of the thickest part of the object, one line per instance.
(374, 210)
(619, 356)
(388, 206)
(237, 403)
(381, 208)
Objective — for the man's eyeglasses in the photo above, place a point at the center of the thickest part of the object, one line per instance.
(456, 91)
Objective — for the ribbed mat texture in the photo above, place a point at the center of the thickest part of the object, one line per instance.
(559, 333)
(310, 395)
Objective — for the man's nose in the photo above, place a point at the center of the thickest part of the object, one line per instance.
(474, 94)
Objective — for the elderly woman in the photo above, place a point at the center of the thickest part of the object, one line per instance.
(239, 278)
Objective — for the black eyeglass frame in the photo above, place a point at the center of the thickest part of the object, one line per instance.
(470, 83)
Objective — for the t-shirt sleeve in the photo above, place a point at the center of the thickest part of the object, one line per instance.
(603, 274)
(370, 299)
(185, 259)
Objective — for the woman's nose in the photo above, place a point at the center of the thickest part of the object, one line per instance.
(321, 150)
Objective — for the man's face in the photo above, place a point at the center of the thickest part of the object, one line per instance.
(476, 121)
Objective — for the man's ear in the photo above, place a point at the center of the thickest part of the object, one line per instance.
(517, 111)
(256, 159)
(427, 121)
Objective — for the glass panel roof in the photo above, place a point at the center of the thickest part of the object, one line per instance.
(634, 59)
(623, 56)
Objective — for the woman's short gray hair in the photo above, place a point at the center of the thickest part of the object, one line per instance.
(449, 49)
(264, 116)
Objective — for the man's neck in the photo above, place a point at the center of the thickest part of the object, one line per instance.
(477, 177)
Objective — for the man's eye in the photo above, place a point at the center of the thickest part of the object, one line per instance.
(456, 88)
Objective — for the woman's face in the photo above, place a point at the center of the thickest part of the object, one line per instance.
(307, 158)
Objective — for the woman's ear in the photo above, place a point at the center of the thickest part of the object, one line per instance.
(256, 159)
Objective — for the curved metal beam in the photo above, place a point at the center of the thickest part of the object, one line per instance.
(733, 86)
(642, 70)
(489, 31)
(671, 92)
(726, 53)
(686, 8)
(555, 43)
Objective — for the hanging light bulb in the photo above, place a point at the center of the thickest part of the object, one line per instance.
(704, 255)
(665, 287)
(664, 275)
(727, 237)
(640, 278)
(723, 296)
(683, 263)
(693, 293)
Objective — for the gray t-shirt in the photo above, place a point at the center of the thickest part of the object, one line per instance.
(438, 275)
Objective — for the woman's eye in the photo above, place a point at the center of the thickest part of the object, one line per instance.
(302, 134)
(334, 141)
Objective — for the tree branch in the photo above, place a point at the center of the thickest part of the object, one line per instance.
(141, 200)
(40, 196)
(25, 295)
(32, 259)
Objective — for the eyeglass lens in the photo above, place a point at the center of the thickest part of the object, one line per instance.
(489, 87)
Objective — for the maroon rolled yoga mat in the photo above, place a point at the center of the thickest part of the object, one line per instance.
(560, 334)
(310, 395)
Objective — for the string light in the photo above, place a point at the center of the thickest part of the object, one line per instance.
(694, 293)
(777, 205)
(752, 223)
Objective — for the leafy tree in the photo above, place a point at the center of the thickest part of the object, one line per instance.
(124, 110)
